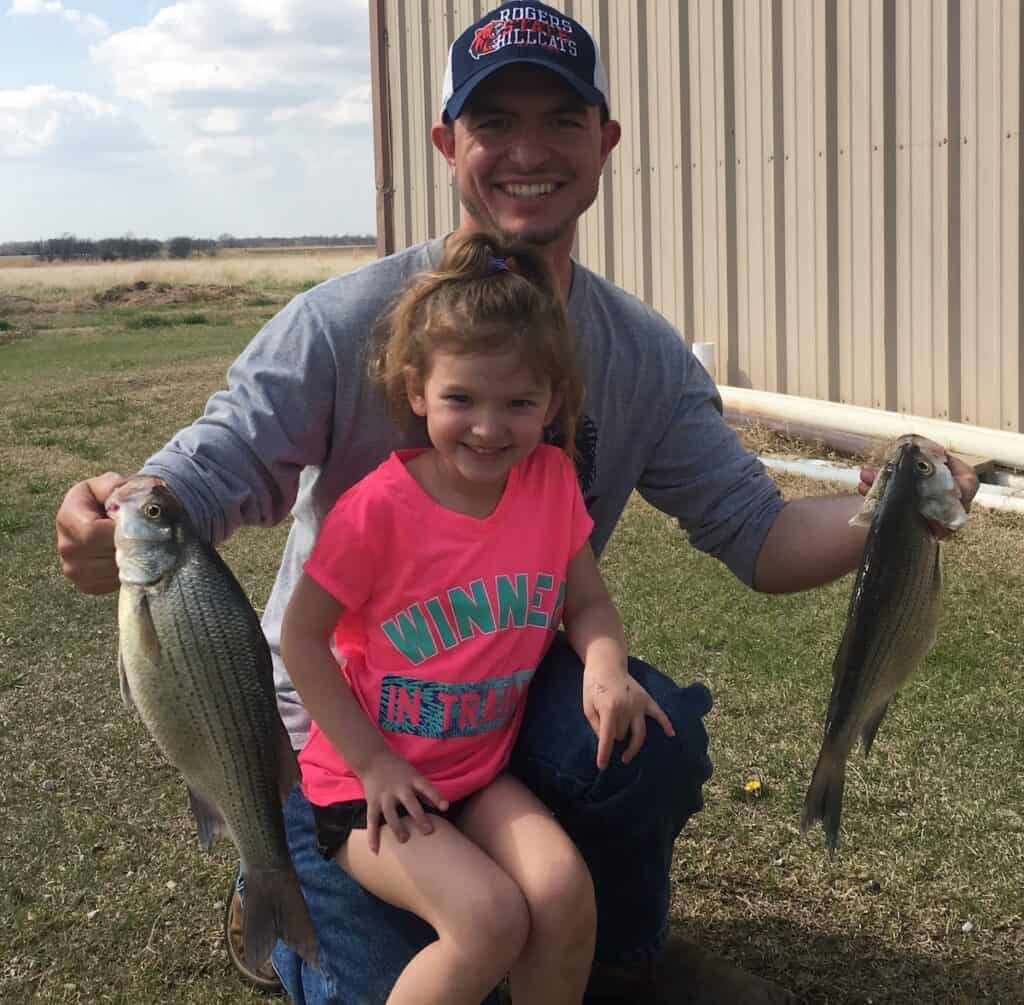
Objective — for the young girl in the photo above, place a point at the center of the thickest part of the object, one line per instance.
(441, 579)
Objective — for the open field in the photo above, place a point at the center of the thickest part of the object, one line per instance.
(276, 268)
(105, 895)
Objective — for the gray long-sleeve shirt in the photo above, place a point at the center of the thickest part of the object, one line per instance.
(300, 422)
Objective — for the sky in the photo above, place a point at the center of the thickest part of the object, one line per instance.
(197, 118)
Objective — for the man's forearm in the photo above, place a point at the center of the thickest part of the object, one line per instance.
(810, 543)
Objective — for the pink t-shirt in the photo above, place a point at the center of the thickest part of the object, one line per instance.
(446, 616)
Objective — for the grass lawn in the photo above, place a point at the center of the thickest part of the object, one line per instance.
(105, 895)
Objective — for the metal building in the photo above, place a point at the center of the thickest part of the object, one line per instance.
(828, 190)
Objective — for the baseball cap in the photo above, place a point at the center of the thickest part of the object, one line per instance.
(523, 33)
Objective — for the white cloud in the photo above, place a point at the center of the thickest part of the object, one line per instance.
(222, 120)
(240, 91)
(349, 109)
(44, 120)
(269, 54)
(85, 22)
(222, 148)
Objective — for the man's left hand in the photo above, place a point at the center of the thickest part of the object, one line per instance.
(964, 475)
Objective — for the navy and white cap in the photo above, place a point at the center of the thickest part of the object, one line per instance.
(523, 33)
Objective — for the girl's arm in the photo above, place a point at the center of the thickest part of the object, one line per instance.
(309, 621)
(613, 702)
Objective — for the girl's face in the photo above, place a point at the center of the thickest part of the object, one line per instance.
(484, 412)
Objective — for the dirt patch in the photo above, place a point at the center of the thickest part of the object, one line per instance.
(146, 294)
(10, 304)
(762, 439)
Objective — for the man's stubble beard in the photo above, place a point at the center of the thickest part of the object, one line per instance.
(538, 238)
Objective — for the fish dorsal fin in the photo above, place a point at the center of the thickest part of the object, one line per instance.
(209, 822)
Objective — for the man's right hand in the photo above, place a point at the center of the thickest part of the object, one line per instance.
(85, 535)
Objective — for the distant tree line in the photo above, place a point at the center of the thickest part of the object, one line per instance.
(318, 240)
(67, 247)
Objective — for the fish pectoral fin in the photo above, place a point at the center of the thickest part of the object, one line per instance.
(126, 691)
(866, 513)
(864, 516)
(209, 822)
(149, 641)
(867, 734)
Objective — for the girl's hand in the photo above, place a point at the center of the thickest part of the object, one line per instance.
(390, 781)
(615, 704)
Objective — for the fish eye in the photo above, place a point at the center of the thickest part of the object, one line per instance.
(925, 467)
(153, 510)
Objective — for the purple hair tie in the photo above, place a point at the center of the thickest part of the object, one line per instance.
(497, 265)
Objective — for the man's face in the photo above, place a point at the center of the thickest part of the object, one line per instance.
(527, 155)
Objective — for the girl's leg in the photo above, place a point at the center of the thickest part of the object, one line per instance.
(512, 826)
(480, 917)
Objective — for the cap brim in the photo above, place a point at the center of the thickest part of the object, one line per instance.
(454, 105)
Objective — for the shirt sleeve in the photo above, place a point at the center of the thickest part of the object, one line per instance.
(342, 559)
(700, 474)
(240, 462)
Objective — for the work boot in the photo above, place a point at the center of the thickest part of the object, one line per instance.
(263, 977)
(684, 974)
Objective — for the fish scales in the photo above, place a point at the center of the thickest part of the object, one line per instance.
(196, 666)
(893, 613)
(910, 600)
(217, 700)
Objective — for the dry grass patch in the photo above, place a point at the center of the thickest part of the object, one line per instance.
(270, 270)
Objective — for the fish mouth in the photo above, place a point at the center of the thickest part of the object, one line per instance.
(143, 560)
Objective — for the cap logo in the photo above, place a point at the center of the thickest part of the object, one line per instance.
(523, 26)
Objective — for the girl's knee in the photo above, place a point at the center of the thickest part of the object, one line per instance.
(561, 900)
(495, 922)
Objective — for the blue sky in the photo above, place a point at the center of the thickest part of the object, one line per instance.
(200, 117)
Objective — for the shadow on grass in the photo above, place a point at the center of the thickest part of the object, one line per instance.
(836, 968)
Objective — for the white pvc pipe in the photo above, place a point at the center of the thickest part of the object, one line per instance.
(705, 352)
(957, 437)
(989, 496)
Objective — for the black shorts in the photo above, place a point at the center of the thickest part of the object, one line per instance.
(335, 822)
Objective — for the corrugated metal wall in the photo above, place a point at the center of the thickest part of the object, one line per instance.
(829, 190)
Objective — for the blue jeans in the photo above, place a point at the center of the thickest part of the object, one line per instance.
(624, 820)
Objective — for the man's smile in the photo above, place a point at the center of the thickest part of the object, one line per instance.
(533, 190)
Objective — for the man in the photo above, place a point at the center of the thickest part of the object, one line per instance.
(525, 130)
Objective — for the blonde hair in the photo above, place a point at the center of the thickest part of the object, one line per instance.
(485, 297)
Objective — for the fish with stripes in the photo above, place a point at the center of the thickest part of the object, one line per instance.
(893, 613)
(196, 666)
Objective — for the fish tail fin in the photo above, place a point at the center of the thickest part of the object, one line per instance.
(824, 800)
(275, 909)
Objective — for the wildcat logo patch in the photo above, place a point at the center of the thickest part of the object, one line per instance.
(523, 26)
